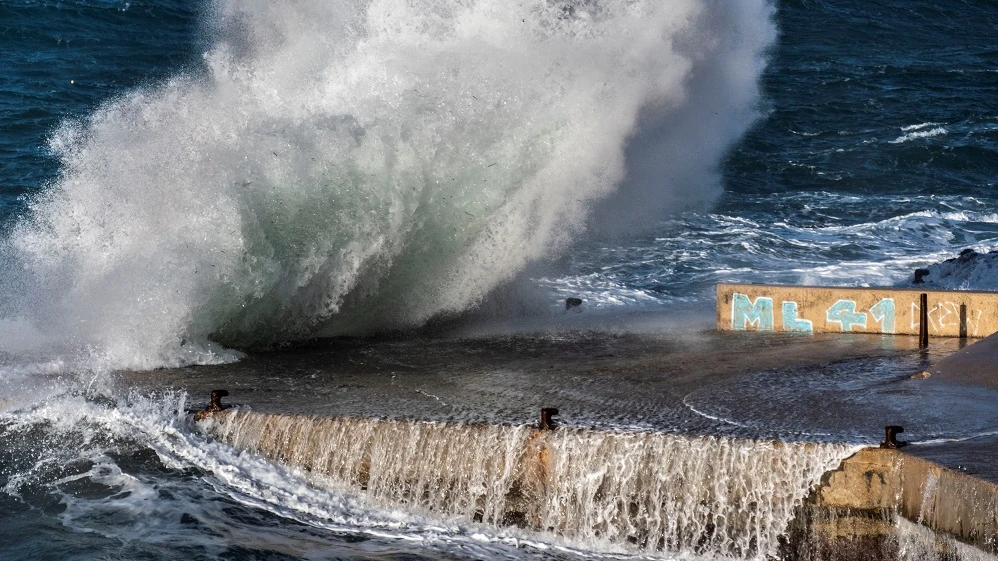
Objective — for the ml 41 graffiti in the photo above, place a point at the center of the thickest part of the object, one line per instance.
(758, 314)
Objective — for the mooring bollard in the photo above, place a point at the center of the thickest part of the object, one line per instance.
(923, 321)
(214, 405)
(890, 437)
(547, 421)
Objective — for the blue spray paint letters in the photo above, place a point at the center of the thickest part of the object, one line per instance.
(745, 313)
(792, 323)
(844, 313)
(883, 313)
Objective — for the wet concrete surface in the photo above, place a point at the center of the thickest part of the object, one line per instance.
(974, 456)
(975, 365)
(834, 387)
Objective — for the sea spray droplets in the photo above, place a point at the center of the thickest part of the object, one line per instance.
(351, 166)
(609, 491)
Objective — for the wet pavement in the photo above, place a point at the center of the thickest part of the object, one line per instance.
(835, 388)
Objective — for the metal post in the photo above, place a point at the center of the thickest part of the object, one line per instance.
(547, 418)
(890, 437)
(963, 321)
(923, 321)
(215, 400)
(214, 405)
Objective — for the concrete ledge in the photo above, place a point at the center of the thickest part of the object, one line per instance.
(854, 513)
(854, 510)
(818, 309)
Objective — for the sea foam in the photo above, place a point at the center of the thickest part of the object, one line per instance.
(347, 167)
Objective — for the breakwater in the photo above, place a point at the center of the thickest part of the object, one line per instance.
(612, 491)
(634, 492)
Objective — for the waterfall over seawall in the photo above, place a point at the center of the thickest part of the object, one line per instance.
(611, 491)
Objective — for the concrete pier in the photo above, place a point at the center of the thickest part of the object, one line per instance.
(819, 309)
(852, 515)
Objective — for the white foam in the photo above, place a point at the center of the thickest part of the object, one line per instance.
(918, 543)
(946, 440)
(919, 134)
(131, 507)
(347, 166)
(980, 273)
(919, 126)
(598, 292)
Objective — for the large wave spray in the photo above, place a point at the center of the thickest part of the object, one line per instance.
(351, 165)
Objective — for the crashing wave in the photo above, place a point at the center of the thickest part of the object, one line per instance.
(347, 167)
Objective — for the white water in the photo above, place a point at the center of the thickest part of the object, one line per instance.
(592, 490)
(680, 267)
(207, 499)
(917, 134)
(918, 543)
(601, 487)
(344, 166)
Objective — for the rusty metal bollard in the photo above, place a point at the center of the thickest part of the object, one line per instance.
(214, 405)
(547, 421)
(890, 437)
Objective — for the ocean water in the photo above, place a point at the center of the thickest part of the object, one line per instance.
(189, 183)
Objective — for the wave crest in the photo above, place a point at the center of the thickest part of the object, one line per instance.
(342, 167)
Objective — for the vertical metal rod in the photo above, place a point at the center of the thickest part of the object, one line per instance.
(923, 321)
(963, 321)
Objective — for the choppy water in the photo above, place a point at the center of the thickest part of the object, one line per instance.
(182, 181)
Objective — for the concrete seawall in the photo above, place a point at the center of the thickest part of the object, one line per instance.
(816, 309)
(853, 514)
(609, 490)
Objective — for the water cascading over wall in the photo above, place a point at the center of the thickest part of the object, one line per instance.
(614, 491)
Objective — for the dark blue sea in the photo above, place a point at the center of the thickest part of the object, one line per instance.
(193, 183)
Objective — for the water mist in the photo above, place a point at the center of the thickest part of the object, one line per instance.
(352, 166)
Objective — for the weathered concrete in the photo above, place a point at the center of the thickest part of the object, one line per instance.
(975, 364)
(814, 309)
(852, 515)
